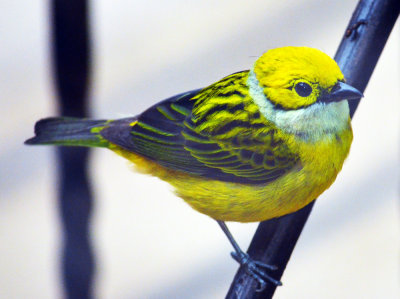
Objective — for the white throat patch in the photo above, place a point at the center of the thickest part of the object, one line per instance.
(315, 122)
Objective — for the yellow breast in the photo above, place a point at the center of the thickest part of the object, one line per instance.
(318, 167)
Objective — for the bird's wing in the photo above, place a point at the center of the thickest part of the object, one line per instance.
(224, 141)
(157, 134)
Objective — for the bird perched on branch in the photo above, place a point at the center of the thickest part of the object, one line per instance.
(255, 145)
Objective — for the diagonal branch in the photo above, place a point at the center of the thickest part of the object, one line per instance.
(357, 56)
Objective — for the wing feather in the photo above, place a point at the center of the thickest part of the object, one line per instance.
(184, 133)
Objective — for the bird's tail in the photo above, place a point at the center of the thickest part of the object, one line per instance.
(69, 131)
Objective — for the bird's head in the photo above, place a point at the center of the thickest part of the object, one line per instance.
(297, 77)
(302, 91)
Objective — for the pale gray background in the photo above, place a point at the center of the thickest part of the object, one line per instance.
(150, 244)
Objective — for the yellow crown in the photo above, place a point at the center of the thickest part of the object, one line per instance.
(279, 71)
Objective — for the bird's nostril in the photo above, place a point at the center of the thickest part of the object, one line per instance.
(335, 87)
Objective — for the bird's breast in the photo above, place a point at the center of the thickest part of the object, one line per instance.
(317, 168)
(324, 158)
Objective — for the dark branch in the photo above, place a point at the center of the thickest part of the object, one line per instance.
(358, 53)
(70, 37)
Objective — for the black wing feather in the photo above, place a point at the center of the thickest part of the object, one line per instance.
(165, 133)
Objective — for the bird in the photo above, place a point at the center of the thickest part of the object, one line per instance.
(255, 145)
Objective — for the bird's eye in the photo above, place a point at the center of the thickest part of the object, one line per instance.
(303, 89)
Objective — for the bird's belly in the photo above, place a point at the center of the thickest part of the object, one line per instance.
(250, 203)
(227, 201)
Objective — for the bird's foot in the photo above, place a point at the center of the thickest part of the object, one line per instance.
(256, 269)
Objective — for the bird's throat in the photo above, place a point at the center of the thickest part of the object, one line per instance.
(312, 123)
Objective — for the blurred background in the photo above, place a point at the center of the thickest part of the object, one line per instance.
(149, 243)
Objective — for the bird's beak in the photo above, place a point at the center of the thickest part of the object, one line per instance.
(342, 91)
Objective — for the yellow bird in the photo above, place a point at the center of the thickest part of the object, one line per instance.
(255, 145)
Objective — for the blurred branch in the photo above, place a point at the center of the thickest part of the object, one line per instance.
(357, 56)
(71, 60)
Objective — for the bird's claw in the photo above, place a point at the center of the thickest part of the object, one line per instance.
(255, 269)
